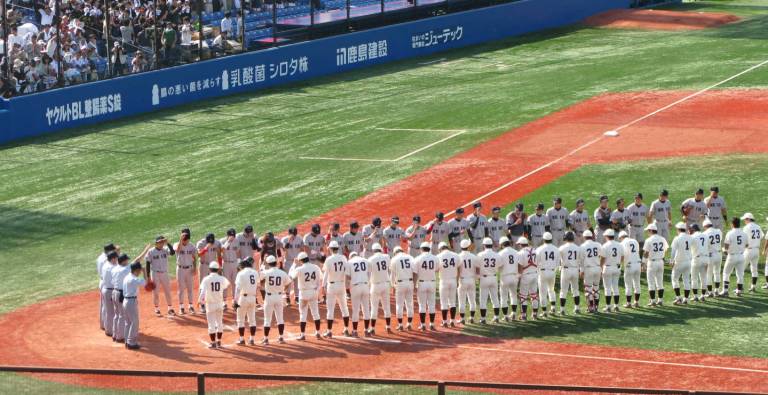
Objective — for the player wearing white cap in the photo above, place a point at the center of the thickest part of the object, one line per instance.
(401, 268)
(380, 286)
(334, 282)
(529, 279)
(571, 262)
(496, 226)
(212, 296)
(578, 222)
(229, 255)
(537, 224)
(490, 262)
(157, 272)
(602, 218)
(478, 226)
(612, 257)
(637, 214)
(694, 209)
(700, 250)
(752, 254)
(681, 255)
(660, 212)
(735, 245)
(632, 269)
(510, 278)
(393, 234)
(591, 270)
(547, 261)
(654, 249)
(275, 282)
(765, 252)
(425, 266)
(415, 234)
(448, 268)
(247, 285)
(310, 277)
(438, 230)
(458, 226)
(715, 239)
(292, 244)
(358, 271)
(186, 267)
(372, 233)
(467, 281)
(717, 210)
(558, 221)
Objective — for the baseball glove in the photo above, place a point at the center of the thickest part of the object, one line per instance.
(150, 286)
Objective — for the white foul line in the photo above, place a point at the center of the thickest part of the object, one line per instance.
(626, 125)
(429, 146)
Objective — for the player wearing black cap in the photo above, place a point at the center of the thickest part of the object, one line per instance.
(517, 221)
(292, 245)
(353, 240)
(372, 234)
(496, 226)
(538, 223)
(100, 261)
(557, 215)
(637, 213)
(578, 222)
(186, 267)
(478, 227)
(661, 212)
(602, 219)
(246, 242)
(694, 209)
(314, 243)
(157, 272)
(438, 230)
(209, 250)
(459, 229)
(415, 234)
(717, 210)
(393, 234)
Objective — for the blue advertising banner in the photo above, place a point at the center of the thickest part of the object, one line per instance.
(104, 100)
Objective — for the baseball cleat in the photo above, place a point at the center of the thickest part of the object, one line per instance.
(651, 303)
(372, 332)
(471, 320)
(212, 345)
(432, 327)
(534, 317)
(482, 321)
(452, 324)
(562, 311)
(677, 302)
(544, 314)
(723, 294)
(345, 332)
(367, 334)
(627, 306)
(389, 330)
(354, 334)
(576, 310)
(318, 335)
(218, 343)
(495, 320)
(281, 340)
(552, 310)
(191, 310)
(765, 286)
(660, 302)
(460, 321)
(400, 328)
(251, 342)
(615, 308)
(506, 318)
(241, 342)
(685, 300)
(752, 289)
(171, 312)
(409, 326)
(132, 346)
(607, 309)
(328, 335)
(265, 341)
(181, 311)
(157, 312)
(444, 324)
(739, 293)
(301, 337)
(422, 327)
(636, 305)
(523, 317)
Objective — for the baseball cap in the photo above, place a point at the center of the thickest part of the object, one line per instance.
(439, 215)
(395, 220)
(495, 209)
(609, 233)
(376, 247)
(664, 192)
(707, 222)
(680, 226)
(540, 206)
(231, 232)
(579, 201)
(333, 244)
(442, 245)
(557, 199)
(354, 224)
(604, 198)
(397, 249)
(135, 266)
(487, 241)
(522, 241)
(465, 243)
(748, 216)
(715, 189)
(587, 233)
(477, 205)
(416, 218)
(695, 227)
(503, 239)
(353, 254)
(271, 259)
(638, 195)
(302, 256)
(159, 239)
(547, 236)
(459, 210)
(623, 234)
(652, 227)
(699, 191)
(248, 228)
(213, 265)
(520, 206)
(424, 244)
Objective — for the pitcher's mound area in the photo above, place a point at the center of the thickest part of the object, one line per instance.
(660, 20)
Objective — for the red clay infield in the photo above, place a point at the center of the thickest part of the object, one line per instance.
(660, 19)
(717, 122)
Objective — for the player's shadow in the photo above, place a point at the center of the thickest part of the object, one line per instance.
(165, 348)
(22, 227)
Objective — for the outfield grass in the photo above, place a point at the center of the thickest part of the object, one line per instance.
(234, 160)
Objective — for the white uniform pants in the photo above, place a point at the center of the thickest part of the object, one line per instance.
(734, 262)
(699, 273)
(752, 256)
(425, 293)
(230, 272)
(214, 314)
(308, 301)
(529, 289)
(361, 301)
(611, 280)
(467, 294)
(547, 287)
(655, 275)
(632, 279)
(287, 268)
(508, 289)
(569, 280)
(591, 278)
(404, 298)
(380, 296)
(161, 281)
(334, 296)
(273, 305)
(713, 268)
(448, 290)
(247, 311)
(681, 270)
(185, 276)
(489, 289)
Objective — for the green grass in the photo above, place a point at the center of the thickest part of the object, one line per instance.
(708, 328)
(234, 160)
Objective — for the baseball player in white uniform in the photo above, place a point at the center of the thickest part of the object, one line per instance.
(467, 282)
(681, 254)
(700, 252)
(209, 250)
(715, 239)
(314, 243)
(401, 269)
(334, 281)
(293, 245)
(478, 227)
(558, 221)
(496, 226)
(275, 283)
(571, 262)
(490, 262)
(632, 268)
(612, 258)
(229, 255)
(358, 271)
(458, 227)
(186, 267)
(212, 290)
(735, 246)
(538, 223)
(752, 254)
(380, 287)
(660, 213)
(157, 272)
(425, 267)
(529, 279)
(654, 249)
(694, 209)
(591, 267)
(637, 214)
(448, 268)
(510, 278)
(247, 285)
(372, 233)
(547, 261)
(578, 222)
(717, 210)
(353, 239)
(310, 277)
(393, 234)
(765, 252)
(415, 234)
(438, 230)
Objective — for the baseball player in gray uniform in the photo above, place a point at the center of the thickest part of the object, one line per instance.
(458, 230)
(292, 244)
(637, 213)
(186, 267)
(660, 214)
(393, 234)
(537, 225)
(620, 217)
(229, 252)
(578, 222)
(372, 234)
(314, 243)
(157, 271)
(602, 219)
(102, 258)
(353, 240)
(438, 230)
(131, 285)
(517, 221)
(694, 209)
(717, 210)
(558, 220)
(478, 227)
(247, 243)
(496, 227)
(415, 234)
(106, 291)
(119, 273)
(334, 234)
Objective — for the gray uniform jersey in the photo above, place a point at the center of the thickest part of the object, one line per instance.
(439, 231)
(292, 245)
(418, 233)
(579, 221)
(393, 236)
(537, 224)
(496, 229)
(158, 259)
(185, 254)
(478, 233)
(715, 207)
(602, 217)
(373, 235)
(245, 249)
(620, 219)
(314, 243)
(229, 251)
(557, 218)
(697, 210)
(459, 228)
(660, 211)
(514, 228)
(353, 242)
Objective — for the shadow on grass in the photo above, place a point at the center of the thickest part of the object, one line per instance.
(21, 227)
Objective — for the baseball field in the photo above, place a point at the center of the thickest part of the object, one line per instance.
(521, 119)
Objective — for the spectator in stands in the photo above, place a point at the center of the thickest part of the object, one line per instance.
(139, 63)
(169, 43)
(119, 59)
(220, 45)
(186, 40)
(126, 35)
(226, 24)
(46, 15)
(6, 89)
